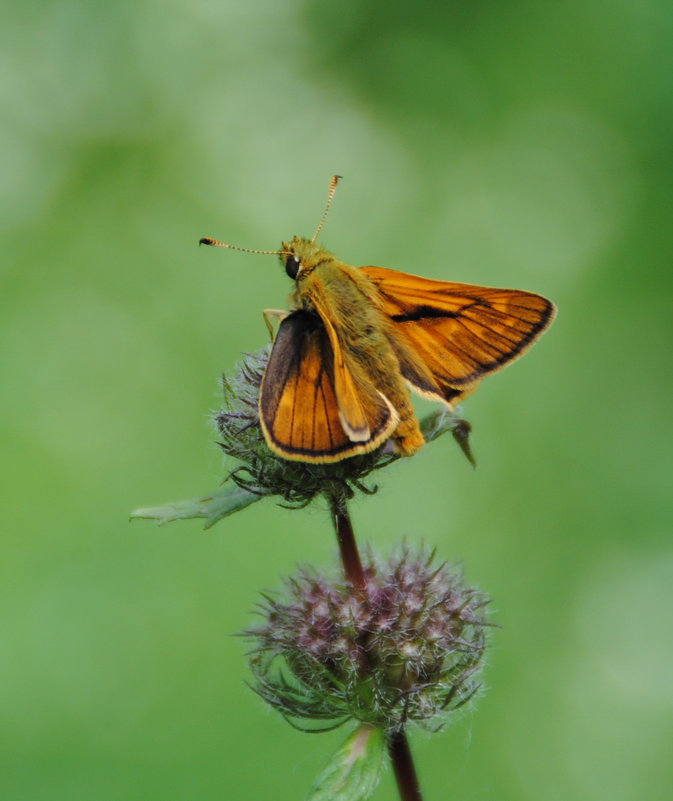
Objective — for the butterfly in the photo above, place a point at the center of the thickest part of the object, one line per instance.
(358, 339)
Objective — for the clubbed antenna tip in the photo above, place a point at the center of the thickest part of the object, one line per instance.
(334, 180)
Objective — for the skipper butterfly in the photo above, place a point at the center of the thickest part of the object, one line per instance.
(357, 339)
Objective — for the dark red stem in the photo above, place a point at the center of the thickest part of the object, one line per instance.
(398, 745)
(403, 765)
(350, 556)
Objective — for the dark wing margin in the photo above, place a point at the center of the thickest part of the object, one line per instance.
(297, 403)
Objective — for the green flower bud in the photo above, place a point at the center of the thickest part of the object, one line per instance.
(262, 472)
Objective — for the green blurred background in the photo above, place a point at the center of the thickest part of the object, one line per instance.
(514, 143)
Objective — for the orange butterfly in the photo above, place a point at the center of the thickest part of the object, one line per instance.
(337, 377)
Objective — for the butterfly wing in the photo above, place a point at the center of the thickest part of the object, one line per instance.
(299, 412)
(449, 335)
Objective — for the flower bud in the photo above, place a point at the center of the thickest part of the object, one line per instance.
(405, 649)
(260, 471)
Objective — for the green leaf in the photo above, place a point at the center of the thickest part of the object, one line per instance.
(443, 421)
(355, 769)
(213, 507)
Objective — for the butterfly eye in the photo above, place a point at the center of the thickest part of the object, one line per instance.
(292, 266)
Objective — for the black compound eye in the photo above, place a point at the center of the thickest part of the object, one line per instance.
(292, 266)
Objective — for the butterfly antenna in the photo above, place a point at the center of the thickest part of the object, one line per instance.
(207, 240)
(330, 195)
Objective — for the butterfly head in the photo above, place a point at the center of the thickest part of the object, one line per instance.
(300, 256)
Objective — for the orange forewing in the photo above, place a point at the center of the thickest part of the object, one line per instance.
(298, 405)
(449, 335)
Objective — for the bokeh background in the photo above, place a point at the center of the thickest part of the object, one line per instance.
(506, 143)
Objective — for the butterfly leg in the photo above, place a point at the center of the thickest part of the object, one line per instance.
(275, 314)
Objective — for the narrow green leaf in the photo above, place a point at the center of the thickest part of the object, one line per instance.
(355, 769)
(221, 503)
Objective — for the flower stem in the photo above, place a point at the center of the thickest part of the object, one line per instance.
(403, 766)
(398, 745)
(350, 556)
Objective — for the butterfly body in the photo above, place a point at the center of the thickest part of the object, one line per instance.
(366, 370)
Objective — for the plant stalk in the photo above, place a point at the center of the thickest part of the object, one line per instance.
(350, 556)
(403, 766)
(398, 745)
